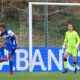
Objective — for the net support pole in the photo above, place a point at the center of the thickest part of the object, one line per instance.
(46, 23)
(2, 8)
(30, 37)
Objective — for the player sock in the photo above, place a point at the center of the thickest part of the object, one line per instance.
(75, 65)
(65, 63)
(11, 66)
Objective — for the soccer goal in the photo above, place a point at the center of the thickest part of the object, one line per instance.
(58, 15)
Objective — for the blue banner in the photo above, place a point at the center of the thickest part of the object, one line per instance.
(43, 60)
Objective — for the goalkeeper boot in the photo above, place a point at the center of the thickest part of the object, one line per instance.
(65, 71)
(75, 71)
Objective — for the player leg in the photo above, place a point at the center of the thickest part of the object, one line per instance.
(2, 52)
(75, 64)
(65, 61)
(10, 63)
(11, 49)
(11, 53)
(1, 45)
(74, 53)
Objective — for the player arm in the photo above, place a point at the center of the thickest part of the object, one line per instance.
(65, 41)
(17, 40)
(78, 39)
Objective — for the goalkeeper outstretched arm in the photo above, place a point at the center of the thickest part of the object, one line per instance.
(65, 42)
(78, 40)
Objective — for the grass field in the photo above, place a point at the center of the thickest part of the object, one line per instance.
(40, 76)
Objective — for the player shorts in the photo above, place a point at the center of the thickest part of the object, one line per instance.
(72, 50)
(10, 47)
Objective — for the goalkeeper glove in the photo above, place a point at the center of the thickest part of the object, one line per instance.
(63, 46)
(76, 45)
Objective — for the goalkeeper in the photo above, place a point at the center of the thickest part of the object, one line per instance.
(71, 42)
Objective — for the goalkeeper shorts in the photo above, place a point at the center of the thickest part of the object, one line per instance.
(73, 51)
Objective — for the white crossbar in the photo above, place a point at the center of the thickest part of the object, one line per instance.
(56, 4)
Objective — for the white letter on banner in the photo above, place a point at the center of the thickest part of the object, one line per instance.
(3, 64)
(69, 65)
(23, 59)
(6, 62)
(40, 62)
(51, 57)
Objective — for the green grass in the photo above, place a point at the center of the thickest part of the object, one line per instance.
(40, 76)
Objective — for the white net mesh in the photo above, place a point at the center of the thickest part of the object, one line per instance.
(58, 19)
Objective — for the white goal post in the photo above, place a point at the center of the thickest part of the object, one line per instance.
(30, 23)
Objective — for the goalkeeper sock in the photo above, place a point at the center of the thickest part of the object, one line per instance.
(65, 63)
(11, 66)
(75, 65)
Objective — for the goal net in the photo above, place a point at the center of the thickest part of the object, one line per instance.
(47, 26)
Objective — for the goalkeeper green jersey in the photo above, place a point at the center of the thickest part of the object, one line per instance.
(71, 38)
